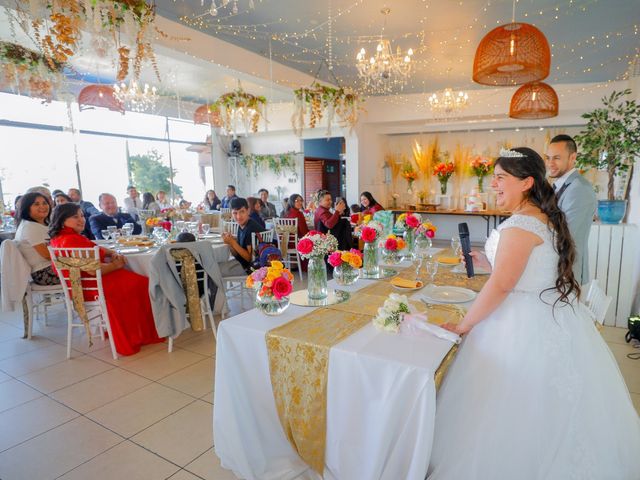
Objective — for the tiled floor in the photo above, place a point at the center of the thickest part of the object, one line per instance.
(148, 416)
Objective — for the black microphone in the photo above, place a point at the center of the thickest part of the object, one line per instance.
(463, 230)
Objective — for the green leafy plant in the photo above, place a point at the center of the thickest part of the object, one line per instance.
(611, 138)
(149, 174)
(279, 163)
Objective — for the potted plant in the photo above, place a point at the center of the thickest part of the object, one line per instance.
(611, 142)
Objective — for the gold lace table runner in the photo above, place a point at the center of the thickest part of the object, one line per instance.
(299, 360)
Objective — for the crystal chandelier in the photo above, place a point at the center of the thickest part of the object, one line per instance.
(448, 102)
(135, 98)
(385, 70)
(214, 8)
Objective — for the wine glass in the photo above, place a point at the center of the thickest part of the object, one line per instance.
(160, 234)
(180, 226)
(106, 234)
(112, 229)
(432, 269)
(206, 228)
(456, 246)
(127, 229)
(115, 236)
(422, 249)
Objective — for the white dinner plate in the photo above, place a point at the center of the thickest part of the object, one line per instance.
(476, 270)
(447, 294)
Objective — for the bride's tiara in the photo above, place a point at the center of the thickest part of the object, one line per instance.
(505, 153)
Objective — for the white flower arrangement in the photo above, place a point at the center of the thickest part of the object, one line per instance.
(316, 244)
(390, 315)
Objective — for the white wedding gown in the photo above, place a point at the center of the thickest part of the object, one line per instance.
(533, 396)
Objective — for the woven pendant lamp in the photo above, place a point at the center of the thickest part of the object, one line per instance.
(512, 54)
(534, 101)
(208, 115)
(99, 96)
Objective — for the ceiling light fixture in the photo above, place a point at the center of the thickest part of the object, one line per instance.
(135, 98)
(448, 102)
(385, 70)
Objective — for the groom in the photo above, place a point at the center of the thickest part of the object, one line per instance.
(576, 198)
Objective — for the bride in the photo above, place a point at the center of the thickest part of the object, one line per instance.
(534, 393)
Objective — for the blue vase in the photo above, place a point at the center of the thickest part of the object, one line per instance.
(611, 211)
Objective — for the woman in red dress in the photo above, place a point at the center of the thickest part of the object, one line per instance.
(126, 293)
(295, 211)
(368, 204)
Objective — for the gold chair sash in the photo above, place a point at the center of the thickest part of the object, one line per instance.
(75, 266)
(189, 281)
(284, 232)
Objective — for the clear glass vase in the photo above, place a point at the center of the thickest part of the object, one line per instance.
(370, 259)
(422, 244)
(345, 274)
(317, 278)
(270, 305)
(391, 257)
(410, 239)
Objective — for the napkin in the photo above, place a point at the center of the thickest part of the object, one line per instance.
(405, 283)
(416, 325)
(448, 260)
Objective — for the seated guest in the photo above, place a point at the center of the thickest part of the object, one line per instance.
(184, 204)
(44, 191)
(325, 221)
(132, 202)
(240, 247)
(161, 200)
(211, 201)
(32, 217)
(295, 211)
(61, 198)
(87, 209)
(131, 322)
(255, 207)
(355, 208)
(285, 207)
(368, 204)
(149, 203)
(231, 194)
(269, 209)
(110, 216)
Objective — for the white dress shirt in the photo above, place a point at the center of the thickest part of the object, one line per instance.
(132, 205)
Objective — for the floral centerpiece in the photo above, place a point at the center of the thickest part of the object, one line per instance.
(273, 286)
(391, 248)
(424, 233)
(408, 222)
(369, 234)
(346, 266)
(443, 171)
(315, 246)
(390, 315)
(481, 167)
(410, 175)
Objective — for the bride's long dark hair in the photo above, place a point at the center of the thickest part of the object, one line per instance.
(541, 195)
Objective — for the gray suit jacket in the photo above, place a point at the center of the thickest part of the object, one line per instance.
(578, 202)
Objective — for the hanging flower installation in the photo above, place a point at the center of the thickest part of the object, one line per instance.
(207, 114)
(27, 72)
(320, 100)
(240, 106)
(124, 25)
(279, 163)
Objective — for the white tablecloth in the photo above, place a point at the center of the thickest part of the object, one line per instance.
(380, 403)
(141, 262)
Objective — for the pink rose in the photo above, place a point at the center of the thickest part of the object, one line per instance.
(305, 246)
(391, 244)
(431, 233)
(355, 251)
(313, 232)
(368, 234)
(281, 287)
(412, 221)
(335, 259)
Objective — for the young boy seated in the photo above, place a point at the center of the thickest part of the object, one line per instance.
(240, 247)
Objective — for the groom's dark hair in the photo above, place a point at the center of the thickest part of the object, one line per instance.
(569, 142)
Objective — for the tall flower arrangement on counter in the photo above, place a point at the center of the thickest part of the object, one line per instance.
(443, 170)
(410, 175)
(481, 167)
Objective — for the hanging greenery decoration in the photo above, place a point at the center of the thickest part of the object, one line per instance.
(279, 163)
(28, 72)
(240, 106)
(119, 27)
(319, 101)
